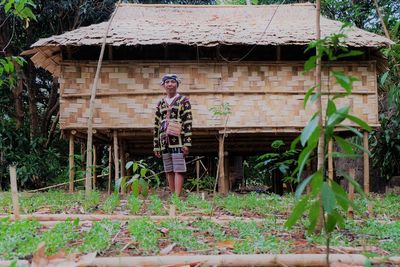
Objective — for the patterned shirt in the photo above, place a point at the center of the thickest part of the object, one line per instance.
(180, 111)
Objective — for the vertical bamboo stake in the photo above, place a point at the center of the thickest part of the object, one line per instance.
(123, 163)
(330, 160)
(116, 159)
(352, 174)
(221, 166)
(366, 164)
(14, 191)
(109, 169)
(94, 166)
(88, 181)
(318, 78)
(197, 174)
(378, 11)
(71, 163)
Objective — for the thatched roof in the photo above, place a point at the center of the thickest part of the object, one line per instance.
(210, 26)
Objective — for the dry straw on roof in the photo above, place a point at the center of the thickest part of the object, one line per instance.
(212, 25)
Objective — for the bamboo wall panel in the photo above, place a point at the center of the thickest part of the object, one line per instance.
(260, 95)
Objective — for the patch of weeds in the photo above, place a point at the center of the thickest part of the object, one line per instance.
(179, 204)
(185, 238)
(271, 245)
(336, 239)
(194, 200)
(5, 202)
(134, 204)
(231, 203)
(60, 235)
(156, 206)
(91, 203)
(210, 227)
(173, 224)
(145, 232)
(111, 203)
(246, 229)
(98, 238)
(18, 239)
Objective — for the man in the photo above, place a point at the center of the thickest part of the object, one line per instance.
(172, 132)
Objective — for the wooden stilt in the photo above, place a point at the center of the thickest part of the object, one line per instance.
(71, 163)
(116, 156)
(14, 191)
(197, 174)
(330, 160)
(123, 162)
(109, 169)
(83, 152)
(222, 185)
(366, 164)
(94, 166)
(352, 174)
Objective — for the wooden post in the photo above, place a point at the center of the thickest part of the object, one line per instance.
(222, 185)
(123, 163)
(352, 174)
(94, 166)
(14, 191)
(116, 154)
(366, 164)
(109, 169)
(330, 160)
(71, 163)
(197, 174)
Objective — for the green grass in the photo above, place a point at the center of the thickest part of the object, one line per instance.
(145, 232)
(134, 204)
(98, 238)
(156, 206)
(111, 203)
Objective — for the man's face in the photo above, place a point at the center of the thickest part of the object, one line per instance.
(170, 87)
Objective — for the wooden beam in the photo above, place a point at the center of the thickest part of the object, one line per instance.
(14, 191)
(123, 163)
(366, 164)
(197, 174)
(330, 160)
(71, 163)
(116, 155)
(109, 169)
(94, 166)
(352, 174)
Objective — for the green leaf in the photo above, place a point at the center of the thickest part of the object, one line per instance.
(353, 130)
(303, 158)
(309, 130)
(143, 172)
(310, 63)
(135, 187)
(297, 212)
(359, 122)
(345, 155)
(351, 53)
(351, 180)
(337, 117)
(383, 78)
(344, 145)
(304, 183)
(330, 222)
(7, 7)
(316, 184)
(328, 198)
(144, 186)
(344, 80)
(331, 108)
(128, 165)
(135, 166)
(315, 97)
(294, 143)
(314, 215)
(308, 94)
(341, 195)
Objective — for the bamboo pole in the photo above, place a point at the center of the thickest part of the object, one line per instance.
(109, 169)
(71, 163)
(116, 159)
(366, 164)
(378, 11)
(352, 174)
(222, 186)
(330, 160)
(94, 166)
(14, 191)
(197, 175)
(232, 260)
(88, 181)
(123, 163)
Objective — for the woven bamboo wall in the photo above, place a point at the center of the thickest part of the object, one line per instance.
(260, 94)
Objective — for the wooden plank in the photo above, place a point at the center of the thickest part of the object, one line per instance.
(14, 191)
(71, 163)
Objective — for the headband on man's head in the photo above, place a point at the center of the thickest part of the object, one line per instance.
(170, 77)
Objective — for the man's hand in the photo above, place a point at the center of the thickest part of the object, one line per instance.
(157, 154)
(185, 150)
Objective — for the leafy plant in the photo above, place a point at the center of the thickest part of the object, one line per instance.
(134, 204)
(156, 206)
(145, 232)
(326, 198)
(98, 238)
(180, 205)
(111, 203)
(60, 235)
(92, 201)
(139, 182)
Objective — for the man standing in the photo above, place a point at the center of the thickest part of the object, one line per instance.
(172, 132)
